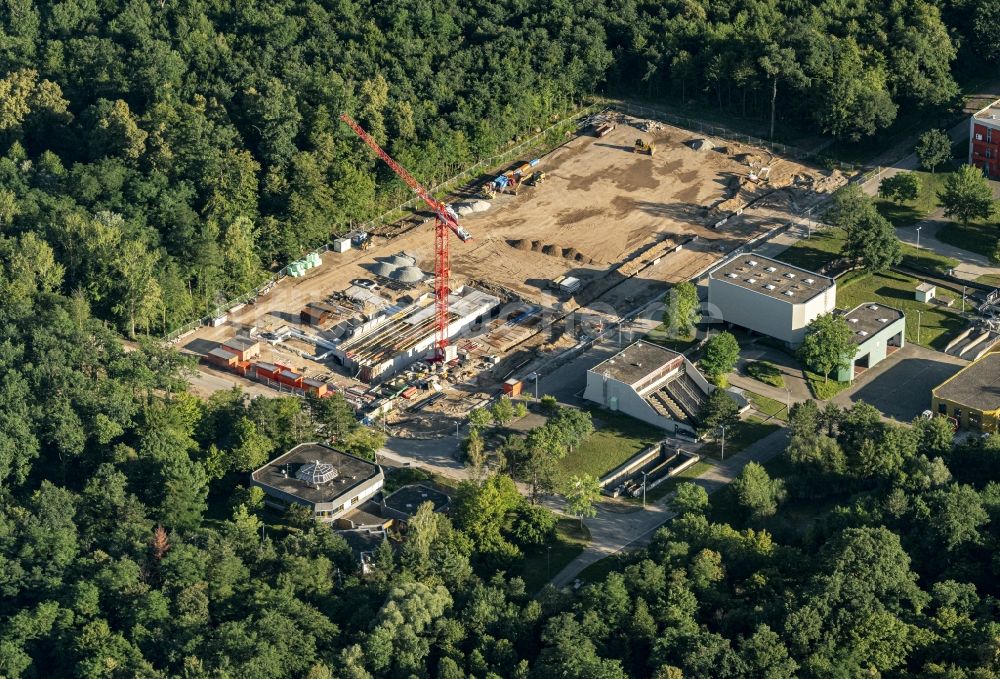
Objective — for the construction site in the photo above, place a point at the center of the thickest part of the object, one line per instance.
(546, 255)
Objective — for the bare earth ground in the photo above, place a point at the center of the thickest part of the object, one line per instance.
(607, 215)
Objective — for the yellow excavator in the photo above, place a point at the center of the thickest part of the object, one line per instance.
(644, 147)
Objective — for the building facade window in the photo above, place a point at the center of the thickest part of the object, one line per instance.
(943, 408)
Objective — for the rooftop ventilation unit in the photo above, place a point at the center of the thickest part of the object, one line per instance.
(862, 333)
(769, 286)
(771, 269)
(752, 262)
(789, 275)
(751, 281)
(883, 320)
(733, 275)
(789, 293)
(873, 307)
(852, 320)
(809, 281)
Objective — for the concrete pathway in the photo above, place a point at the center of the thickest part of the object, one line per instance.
(612, 531)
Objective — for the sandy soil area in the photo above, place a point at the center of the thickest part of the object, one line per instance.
(605, 214)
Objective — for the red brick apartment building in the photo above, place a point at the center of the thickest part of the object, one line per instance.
(984, 140)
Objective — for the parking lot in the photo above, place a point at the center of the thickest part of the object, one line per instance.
(900, 386)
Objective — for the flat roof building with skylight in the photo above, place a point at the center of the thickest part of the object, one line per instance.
(328, 482)
(769, 297)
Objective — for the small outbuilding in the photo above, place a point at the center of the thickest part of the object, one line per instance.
(926, 292)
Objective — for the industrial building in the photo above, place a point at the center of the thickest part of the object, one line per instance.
(652, 384)
(391, 342)
(769, 296)
(984, 141)
(972, 395)
(879, 331)
(326, 481)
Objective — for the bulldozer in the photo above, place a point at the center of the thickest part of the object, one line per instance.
(644, 147)
(537, 178)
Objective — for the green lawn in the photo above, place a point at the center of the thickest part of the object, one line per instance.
(766, 372)
(668, 486)
(768, 407)
(990, 279)
(910, 212)
(815, 252)
(937, 324)
(597, 571)
(825, 245)
(980, 238)
(824, 389)
(747, 431)
(616, 438)
(659, 335)
(540, 565)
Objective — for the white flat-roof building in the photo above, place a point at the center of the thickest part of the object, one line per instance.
(770, 297)
(650, 383)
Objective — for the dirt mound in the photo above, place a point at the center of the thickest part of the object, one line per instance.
(536, 246)
(570, 253)
(520, 244)
(553, 250)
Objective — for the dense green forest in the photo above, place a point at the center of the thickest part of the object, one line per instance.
(129, 548)
(161, 157)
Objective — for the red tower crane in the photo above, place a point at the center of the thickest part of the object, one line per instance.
(445, 221)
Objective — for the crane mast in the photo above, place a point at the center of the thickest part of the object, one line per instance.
(445, 223)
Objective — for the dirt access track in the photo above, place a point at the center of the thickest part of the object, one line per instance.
(605, 214)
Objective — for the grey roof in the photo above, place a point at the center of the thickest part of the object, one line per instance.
(634, 362)
(241, 343)
(219, 352)
(772, 277)
(866, 320)
(367, 514)
(408, 498)
(976, 386)
(926, 287)
(989, 115)
(352, 472)
(362, 540)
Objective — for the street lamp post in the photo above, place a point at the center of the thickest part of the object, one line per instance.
(722, 447)
(918, 235)
(548, 563)
(918, 326)
(534, 376)
(644, 489)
